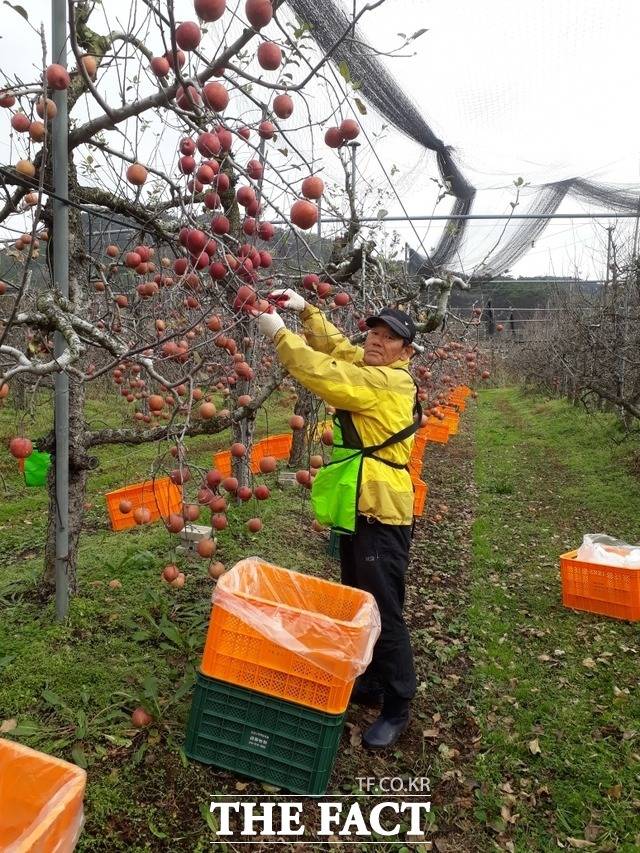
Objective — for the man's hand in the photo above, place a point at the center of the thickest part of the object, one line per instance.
(268, 324)
(288, 298)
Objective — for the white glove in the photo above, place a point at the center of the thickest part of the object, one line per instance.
(288, 298)
(269, 324)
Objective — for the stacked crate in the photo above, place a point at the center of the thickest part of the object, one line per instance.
(420, 488)
(280, 659)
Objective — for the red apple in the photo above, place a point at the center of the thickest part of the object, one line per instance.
(20, 447)
(266, 130)
(170, 573)
(258, 12)
(312, 187)
(215, 96)
(268, 464)
(283, 105)
(304, 214)
(333, 137)
(58, 77)
(160, 66)
(210, 10)
(349, 129)
(137, 174)
(140, 718)
(188, 35)
(269, 56)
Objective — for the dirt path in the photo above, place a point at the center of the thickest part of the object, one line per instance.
(442, 739)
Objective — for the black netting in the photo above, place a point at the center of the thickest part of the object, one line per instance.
(329, 22)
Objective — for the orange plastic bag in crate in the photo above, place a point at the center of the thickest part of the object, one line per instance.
(597, 588)
(290, 635)
(40, 801)
(161, 497)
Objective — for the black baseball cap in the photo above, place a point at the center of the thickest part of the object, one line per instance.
(401, 323)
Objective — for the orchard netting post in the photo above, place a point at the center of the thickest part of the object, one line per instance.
(60, 156)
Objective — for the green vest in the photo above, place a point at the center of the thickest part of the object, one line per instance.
(336, 487)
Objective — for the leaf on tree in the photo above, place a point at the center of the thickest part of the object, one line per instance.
(343, 68)
(361, 106)
(19, 9)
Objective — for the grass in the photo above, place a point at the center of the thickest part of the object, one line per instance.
(69, 689)
(526, 718)
(556, 690)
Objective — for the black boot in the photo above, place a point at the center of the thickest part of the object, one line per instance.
(391, 723)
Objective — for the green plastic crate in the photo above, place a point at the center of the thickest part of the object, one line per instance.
(262, 737)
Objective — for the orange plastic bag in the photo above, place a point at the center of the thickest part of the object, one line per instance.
(289, 635)
(330, 625)
(40, 801)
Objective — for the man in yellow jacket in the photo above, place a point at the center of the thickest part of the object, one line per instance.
(372, 389)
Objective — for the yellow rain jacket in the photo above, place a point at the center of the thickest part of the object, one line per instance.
(380, 400)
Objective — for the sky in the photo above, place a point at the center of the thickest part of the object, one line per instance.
(539, 89)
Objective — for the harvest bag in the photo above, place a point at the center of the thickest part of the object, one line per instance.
(336, 487)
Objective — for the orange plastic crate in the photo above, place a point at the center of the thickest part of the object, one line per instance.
(254, 460)
(222, 461)
(452, 419)
(277, 445)
(608, 590)
(437, 430)
(419, 444)
(237, 653)
(415, 469)
(274, 445)
(40, 801)
(421, 490)
(161, 497)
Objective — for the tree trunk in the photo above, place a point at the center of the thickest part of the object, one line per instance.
(79, 466)
(79, 462)
(242, 431)
(299, 445)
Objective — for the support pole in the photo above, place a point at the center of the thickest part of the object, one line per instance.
(60, 158)
(352, 190)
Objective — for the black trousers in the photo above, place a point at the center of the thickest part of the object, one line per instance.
(375, 558)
